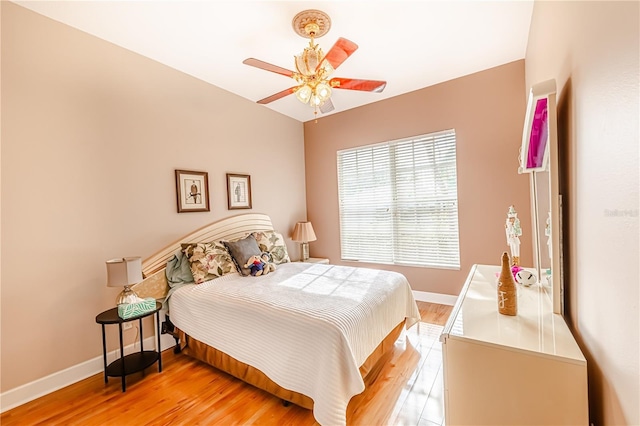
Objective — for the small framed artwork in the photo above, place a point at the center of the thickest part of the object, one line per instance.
(192, 190)
(238, 191)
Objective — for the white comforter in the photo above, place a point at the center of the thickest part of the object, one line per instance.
(308, 327)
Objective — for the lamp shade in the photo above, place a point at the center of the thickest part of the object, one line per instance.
(124, 271)
(303, 233)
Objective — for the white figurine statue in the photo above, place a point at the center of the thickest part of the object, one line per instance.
(513, 231)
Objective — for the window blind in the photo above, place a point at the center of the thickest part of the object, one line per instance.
(399, 202)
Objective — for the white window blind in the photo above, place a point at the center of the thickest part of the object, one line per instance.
(399, 202)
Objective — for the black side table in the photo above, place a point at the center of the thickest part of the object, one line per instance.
(136, 361)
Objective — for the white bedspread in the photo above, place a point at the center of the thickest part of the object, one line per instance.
(308, 327)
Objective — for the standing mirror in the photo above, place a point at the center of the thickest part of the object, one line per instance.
(539, 158)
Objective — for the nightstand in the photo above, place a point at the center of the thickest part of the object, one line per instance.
(136, 361)
(316, 260)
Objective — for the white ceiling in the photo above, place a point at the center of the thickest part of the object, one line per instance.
(410, 44)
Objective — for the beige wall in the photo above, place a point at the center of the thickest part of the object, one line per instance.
(487, 111)
(91, 136)
(592, 50)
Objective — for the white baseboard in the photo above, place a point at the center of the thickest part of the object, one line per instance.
(45, 385)
(51, 383)
(439, 298)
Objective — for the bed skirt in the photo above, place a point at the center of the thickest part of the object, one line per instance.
(369, 370)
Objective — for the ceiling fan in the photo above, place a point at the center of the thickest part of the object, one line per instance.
(313, 68)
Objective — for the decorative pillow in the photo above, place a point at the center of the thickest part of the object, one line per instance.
(241, 250)
(208, 260)
(178, 270)
(273, 243)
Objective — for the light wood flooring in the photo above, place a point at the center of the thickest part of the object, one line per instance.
(408, 391)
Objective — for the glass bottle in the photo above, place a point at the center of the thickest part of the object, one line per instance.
(507, 290)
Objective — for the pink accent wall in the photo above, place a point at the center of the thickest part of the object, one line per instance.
(91, 136)
(592, 50)
(487, 111)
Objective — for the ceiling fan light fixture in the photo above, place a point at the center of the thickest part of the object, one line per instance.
(327, 69)
(315, 101)
(323, 91)
(304, 93)
(308, 60)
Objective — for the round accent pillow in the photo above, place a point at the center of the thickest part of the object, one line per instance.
(526, 278)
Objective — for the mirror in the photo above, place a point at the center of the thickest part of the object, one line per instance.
(541, 226)
(539, 157)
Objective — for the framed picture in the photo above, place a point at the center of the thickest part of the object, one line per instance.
(192, 190)
(238, 191)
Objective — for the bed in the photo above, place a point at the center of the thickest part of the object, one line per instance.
(312, 334)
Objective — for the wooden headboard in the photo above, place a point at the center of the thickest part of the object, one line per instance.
(155, 282)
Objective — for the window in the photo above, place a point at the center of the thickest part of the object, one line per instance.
(399, 202)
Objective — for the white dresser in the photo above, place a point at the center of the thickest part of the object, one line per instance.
(525, 369)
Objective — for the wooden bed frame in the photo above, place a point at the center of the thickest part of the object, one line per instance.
(155, 285)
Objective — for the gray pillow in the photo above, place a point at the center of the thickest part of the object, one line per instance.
(241, 251)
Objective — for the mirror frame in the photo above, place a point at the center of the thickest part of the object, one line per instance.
(533, 132)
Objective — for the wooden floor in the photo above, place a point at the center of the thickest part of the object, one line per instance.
(408, 391)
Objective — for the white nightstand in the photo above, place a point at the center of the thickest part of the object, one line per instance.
(316, 260)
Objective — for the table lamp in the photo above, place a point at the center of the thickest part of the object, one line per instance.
(303, 233)
(125, 272)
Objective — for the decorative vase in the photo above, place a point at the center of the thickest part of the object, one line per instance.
(507, 291)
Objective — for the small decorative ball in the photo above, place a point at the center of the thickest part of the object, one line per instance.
(526, 278)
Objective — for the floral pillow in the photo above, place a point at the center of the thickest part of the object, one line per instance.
(273, 242)
(208, 260)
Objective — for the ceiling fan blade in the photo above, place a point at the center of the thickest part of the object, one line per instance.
(339, 52)
(363, 85)
(327, 106)
(267, 66)
(278, 95)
